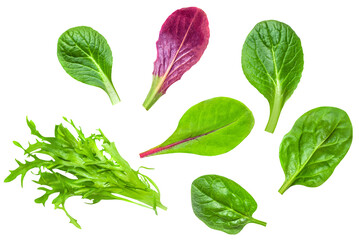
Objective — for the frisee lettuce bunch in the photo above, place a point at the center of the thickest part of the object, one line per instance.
(80, 168)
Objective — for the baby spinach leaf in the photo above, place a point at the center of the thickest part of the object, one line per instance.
(222, 204)
(211, 127)
(315, 145)
(86, 56)
(88, 167)
(181, 43)
(272, 61)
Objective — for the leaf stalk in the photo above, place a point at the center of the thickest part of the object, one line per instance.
(111, 92)
(275, 111)
(154, 94)
(259, 222)
(284, 187)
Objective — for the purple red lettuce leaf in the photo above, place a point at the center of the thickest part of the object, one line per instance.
(181, 43)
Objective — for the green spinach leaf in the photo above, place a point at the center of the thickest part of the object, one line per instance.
(86, 56)
(272, 61)
(222, 204)
(315, 145)
(209, 128)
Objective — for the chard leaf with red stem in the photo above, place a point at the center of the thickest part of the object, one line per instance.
(209, 128)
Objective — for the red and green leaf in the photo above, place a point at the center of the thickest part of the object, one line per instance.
(181, 43)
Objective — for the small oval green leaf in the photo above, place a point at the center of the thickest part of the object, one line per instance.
(272, 61)
(86, 56)
(209, 128)
(315, 145)
(222, 204)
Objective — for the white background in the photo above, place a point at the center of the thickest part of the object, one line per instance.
(34, 84)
